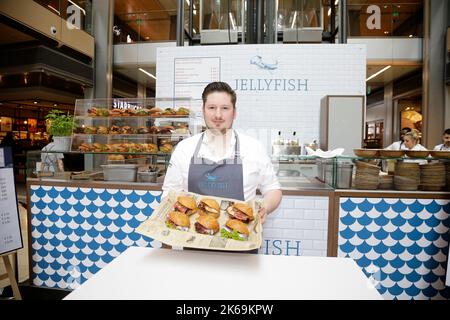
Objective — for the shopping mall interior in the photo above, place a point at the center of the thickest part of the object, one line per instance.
(53, 52)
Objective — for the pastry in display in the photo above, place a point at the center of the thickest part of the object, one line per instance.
(116, 157)
(92, 112)
(126, 130)
(206, 225)
(166, 148)
(102, 130)
(169, 112)
(142, 112)
(185, 205)
(178, 220)
(142, 130)
(116, 112)
(90, 130)
(155, 111)
(154, 130)
(240, 211)
(182, 111)
(84, 147)
(166, 129)
(114, 130)
(209, 207)
(235, 229)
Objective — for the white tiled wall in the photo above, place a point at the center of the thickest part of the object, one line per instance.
(298, 227)
(329, 69)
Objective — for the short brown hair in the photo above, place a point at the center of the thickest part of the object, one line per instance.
(219, 87)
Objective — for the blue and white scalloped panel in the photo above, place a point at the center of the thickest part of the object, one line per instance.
(77, 231)
(400, 244)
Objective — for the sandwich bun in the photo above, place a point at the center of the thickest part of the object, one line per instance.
(245, 209)
(188, 202)
(208, 222)
(237, 225)
(211, 205)
(179, 219)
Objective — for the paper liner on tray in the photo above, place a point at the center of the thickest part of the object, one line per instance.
(155, 227)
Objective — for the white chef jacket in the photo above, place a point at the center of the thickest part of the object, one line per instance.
(397, 145)
(441, 147)
(258, 171)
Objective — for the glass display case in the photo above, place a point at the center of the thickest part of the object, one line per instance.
(405, 171)
(118, 140)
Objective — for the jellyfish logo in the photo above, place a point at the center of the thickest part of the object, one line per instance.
(264, 65)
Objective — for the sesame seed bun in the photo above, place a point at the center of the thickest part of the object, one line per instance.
(188, 202)
(237, 225)
(178, 218)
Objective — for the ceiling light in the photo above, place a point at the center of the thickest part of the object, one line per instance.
(293, 20)
(378, 73)
(386, 32)
(53, 9)
(410, 35)
(35, 102)
(25, 122)
(55, 104)
(147, 73)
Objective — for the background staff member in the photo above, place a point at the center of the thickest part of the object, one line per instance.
(446, 145)
(399, 145)
(221, 162)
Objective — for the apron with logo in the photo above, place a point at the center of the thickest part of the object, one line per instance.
(219, 179)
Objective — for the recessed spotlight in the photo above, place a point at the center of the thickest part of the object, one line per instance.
(55, 104)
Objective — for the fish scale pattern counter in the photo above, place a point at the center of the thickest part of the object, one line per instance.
(400, 244)
(77, 231)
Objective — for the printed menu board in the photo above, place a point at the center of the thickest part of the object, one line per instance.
(10, 235)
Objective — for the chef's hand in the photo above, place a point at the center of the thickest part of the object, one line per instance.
(262, 214)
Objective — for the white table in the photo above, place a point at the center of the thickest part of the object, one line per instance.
(146, 273)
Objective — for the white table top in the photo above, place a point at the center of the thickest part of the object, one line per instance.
(146, 273)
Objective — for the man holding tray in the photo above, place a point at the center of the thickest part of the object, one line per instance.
(220, 162)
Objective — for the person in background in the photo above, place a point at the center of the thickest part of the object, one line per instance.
(238, 163)
(399, 145)
(8, 140)
(446, 139)
(51, 161)
(411, 141)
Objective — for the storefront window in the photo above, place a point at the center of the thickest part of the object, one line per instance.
(411, 114)
(77, 13)
(221, 14)
(294, 14)
(385, 18)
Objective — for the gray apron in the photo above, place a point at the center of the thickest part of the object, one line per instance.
(220, 179)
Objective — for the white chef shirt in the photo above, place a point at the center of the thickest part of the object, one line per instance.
(442, 147)
(258, 171)
(397, 145)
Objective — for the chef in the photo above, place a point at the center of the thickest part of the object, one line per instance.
(446, 139)
(221, 162)
(399, 145)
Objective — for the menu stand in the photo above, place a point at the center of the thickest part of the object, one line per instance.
(10, 274)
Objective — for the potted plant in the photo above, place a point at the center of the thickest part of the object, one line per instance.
(60, 125)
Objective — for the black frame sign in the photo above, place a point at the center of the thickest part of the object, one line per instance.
(10, 231)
